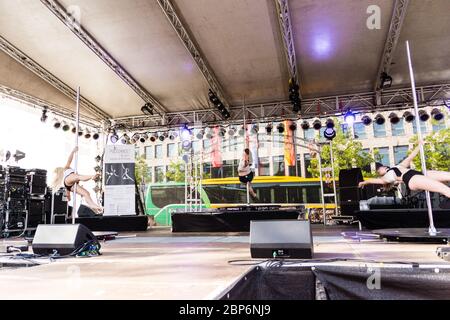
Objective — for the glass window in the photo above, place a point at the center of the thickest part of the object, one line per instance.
(171, 150)
(423, 127)
(360, 131)
(398, 129)
(163, 196)
(264, 166)
(383, 156)
(196, 146)
(278, 140)
(159, 174)
(309, 134)
(149, 175)
(159, 151)
(229, 170)
(379, 130)
(207, 145)
(149, 153)
(307, 165)
(400, 153)
(207, 169)
(438, 125)
(279, 166)
(216, 173)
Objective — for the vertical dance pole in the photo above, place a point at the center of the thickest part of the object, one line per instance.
(246, 146)
(77, 124)
(432, 230)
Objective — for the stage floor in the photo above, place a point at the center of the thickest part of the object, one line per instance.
(160, 265)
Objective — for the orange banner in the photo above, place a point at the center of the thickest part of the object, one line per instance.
(289, 148)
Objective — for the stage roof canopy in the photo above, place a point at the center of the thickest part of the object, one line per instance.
(239, 42)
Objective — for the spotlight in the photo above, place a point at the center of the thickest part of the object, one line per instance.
(294, 95)
(134, 138)
(386, 81)
(305, 125)
(219, 105)
(409, 117)
(96, 136)
(74, 129)
(222, 132)
(163, 136)
(255, 129)
(317, 125)
(125, 139)
(65, 126)
(293, 126)
(349, 118)
(232, 131)
(114, 137)
(80, 132)
(209, 133)
(143, 137)
(147, 109)
(56, 123)
(424, 116)
(242, 131)
(366, 120)
(153, 137)
(437, 114)
(379, 119)
(87, 134)
(200, 134)
(226, 114)
(213, 98)
(280, 128)
(186, 145)
(329, 123)
(394, 118)
(269, 128)
(173, 135)
(186, 134)
(44, 116)
(329, 133)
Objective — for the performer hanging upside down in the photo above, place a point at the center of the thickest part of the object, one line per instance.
(66, 176)
(414, 180)
(245, 172)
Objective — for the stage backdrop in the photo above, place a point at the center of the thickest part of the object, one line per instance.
(119, 181)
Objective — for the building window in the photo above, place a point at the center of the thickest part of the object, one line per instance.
(229, 169)
(159, 151)
(423, 127)
(307, 165)
(398, 129)
(438, 125)
(196, 146)
(366, 152)
(379, 130)
(264, 166)
(383, 156)
(400, 153)
(149, 175)
(207, 145)
(171, 150)
(159, 174)
(360, 131)
(149, 153)
(309, 134)
(207, 169)
(278, 166)
(278, 140)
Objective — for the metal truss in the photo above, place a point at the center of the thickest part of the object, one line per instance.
(51, 79)
(393, 99)
(59, 11)
(193, 48)
(284, 19)
(35, 102)
(398, 16)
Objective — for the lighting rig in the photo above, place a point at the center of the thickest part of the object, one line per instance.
(218, 104)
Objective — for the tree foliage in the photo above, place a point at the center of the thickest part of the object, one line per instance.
(141, 171)
(437, 151)
(176, 172)
(348, 153)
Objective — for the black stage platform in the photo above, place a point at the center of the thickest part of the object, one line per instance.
(227, 221)
(414, 235)
(402, 218)
(113, 223)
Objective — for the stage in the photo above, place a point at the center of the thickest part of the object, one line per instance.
(160, 265)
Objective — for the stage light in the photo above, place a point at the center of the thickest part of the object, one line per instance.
(143, 138)
(294, 95)
(163, 136)
(125, 139)
(213, 98)
(186, 133)
(280, 128)
(173, 135)
(349, 118)
(73, 129)
(366, 120)
(305, 125)
(65, 126)
(209, 133)
(114, 137)
(409, 117)
(379, 119)
(96, 136)
(437, 114)
(329, 123)
(386, 81)
(269, 128)
(153, 137)
(56, 123)
(293, 126)
(44, 116)
(186, 145)
(219, 105)
(317, 125)
(80, 132)
(255, 129)
(423, 116)
(394, 118)
(226, 114)
(222, 132)
(134, 138)
(329, 133)
(200, 134)
(87, 134)
(242, 131)
(147, 109)
(232, 131)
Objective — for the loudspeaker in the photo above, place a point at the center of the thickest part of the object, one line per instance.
(349, 208)
(350, 177)
(85, 212)
(64, 239)
(290, 239)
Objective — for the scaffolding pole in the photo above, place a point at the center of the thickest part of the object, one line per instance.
(77, 125)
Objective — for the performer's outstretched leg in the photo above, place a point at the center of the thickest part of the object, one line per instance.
(85, 194)
(441, 176)
(418, 183)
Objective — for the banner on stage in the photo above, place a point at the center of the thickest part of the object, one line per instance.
(119, 168)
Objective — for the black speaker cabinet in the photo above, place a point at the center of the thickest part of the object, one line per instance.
(64, 239)
(287, 239)
(350, 177)
(85, 212)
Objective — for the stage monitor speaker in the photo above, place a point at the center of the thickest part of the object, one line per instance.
(63, 239)
(288, 239)
(350, 177)
(85, 212)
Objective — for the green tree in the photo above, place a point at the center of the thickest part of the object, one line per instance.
(176, 169)
(437, 151)
(141, 171)
(348, 153)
